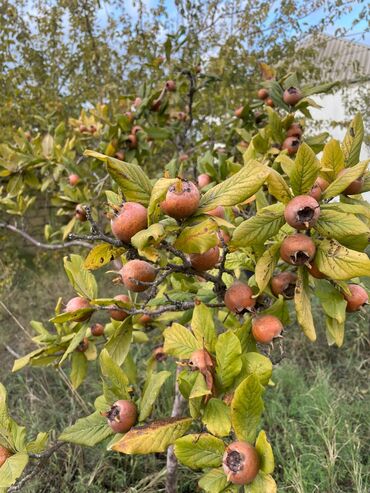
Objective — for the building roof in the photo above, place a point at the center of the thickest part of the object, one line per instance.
(343, 60)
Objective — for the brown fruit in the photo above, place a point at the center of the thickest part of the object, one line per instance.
(182, 200)
(4, 455)
(145, 319)
(137, 102)
(136, 129)
(92, 129)
(28, 135)
(241, 463)
(291, 144)
(318, 188)
(131, 219)
(136, 272)
(262, 94)
(270, 102)
(159, 354)
(314, 271)
(302, 212)
(205, 261)
(238, 297)
(129, 115)
(204, 180)
(122, 416)
(295, 130)
(223, 237)
(80, 213)
(201, 359)
(73, 179)
(83, 346)
(292, 95)
(120, 155)
(297, 249)
(77, 303)
(83, 128)
(181, 116)
(357, 298)
(171, 86)
(119, 314)
(218, 211)
(284, 284)
(239, 112)
(132, 141)
(353, 188)
(265, 328)
(97, 330)
(183, 157)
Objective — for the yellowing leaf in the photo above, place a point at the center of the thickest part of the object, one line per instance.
(352, 141)
(334, 331)
(198, 238)
(264, 450)
(101, 255)
(152, 438)
(217, 418)
(332, 160)
(203, 326)
(303, 304)
(179, 341)
(265, 266)
(342, 182)
(199, 451)
(278, 187)
(228, 351)
(305, 171)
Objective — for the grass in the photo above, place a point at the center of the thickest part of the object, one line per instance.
(316, 414)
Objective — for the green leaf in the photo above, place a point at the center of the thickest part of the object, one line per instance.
(258, 365)
(309, 90)
(341, 226)
(152, 388)
(87, 431)
(199, 388)
(246, 408)
(237, 188)
(198, 238)
(331, 299)
(332, 160)
(199, 451)
(339, 262)
(39, 444)
(158, 194)
(12, 469)
(228, 351)
(82, 280)
(278, 187)
(129, 177)
(259, 228)
(179, 341)
(101, 255)
(203, 326)
(119, 343)
(266, 265)
(114, 374)
(265, 452)
(74, 343)
(342, 182)
(303, 304)
(152, 438)
(214, 481)
(71, 316)
(334, 331)
(275, 126)
(352, 141)
(154, 234)
(263, 483)
(78, 369)
(305, 171)
(217, 417)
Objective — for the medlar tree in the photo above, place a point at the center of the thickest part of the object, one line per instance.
(210, 270)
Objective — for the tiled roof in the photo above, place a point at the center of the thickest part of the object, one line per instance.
(342, 59)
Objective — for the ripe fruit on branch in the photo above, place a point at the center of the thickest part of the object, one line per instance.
(181, 116)
(318, 188)
(73, 179)
(204, 180)
(83, 129)
(297, 249)
(302, 212)
(77, 303)
(183, 157)
(357, 298)
(131, 219)
(314, 271)
(270, 102)
(182, 200)
(295, 130)
(136, 275)
(265, 328)
(205, 261)
(238, 297)
(239, 112)
(171, 86)
(262, 94)
(241, 463)
(291, 144)
(4, 455)
(119, 314)
(83, 346)
(145, 319)
(92, 129)
(159, 354)
(97, 330)
(132, 141)
(137, 102)
(284, 284)
(80, 213)
(355, 187)
(120, 155)
(122, 416)
(218, 211)
(292, 95)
